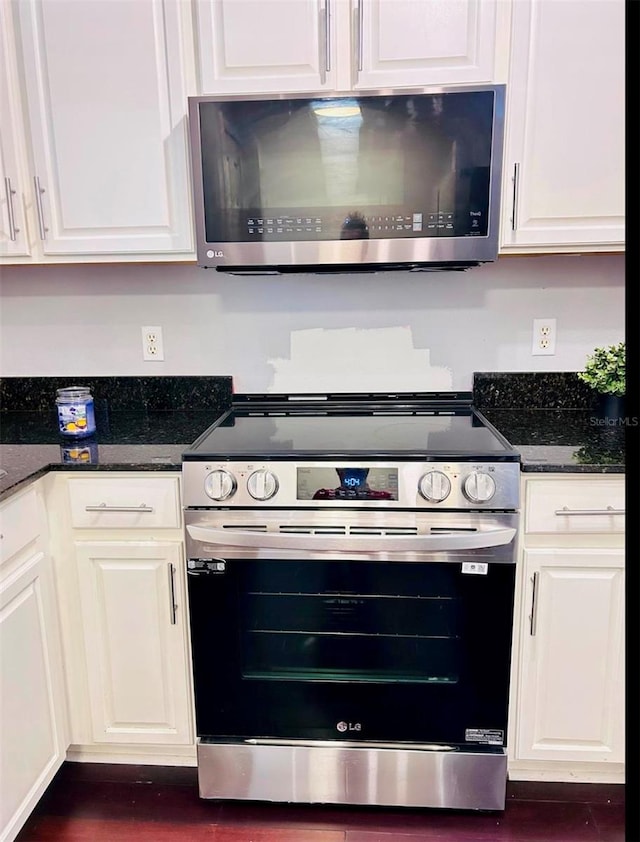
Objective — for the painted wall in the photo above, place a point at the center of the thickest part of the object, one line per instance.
(389, 331)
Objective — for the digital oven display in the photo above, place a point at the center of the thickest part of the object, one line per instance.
(347, 483)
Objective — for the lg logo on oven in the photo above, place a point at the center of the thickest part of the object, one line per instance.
(348, 726)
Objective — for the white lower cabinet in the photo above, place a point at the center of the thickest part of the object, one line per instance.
(567, 720)
(134, 618)
(32, 711)
(572, 681)
(119, 549)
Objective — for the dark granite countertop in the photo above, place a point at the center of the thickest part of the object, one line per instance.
(135, 441)
(142, 424)
(142, 427)
(552, 419)
(562, 440)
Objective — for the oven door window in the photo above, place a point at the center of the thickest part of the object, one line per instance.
(339, 629)
(409, 651)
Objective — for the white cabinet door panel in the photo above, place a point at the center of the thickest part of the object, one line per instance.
(413, 42)
(254, 46)
(107, 101)
(572, 695)
(135, 641)
(31, 740)
(566, 124)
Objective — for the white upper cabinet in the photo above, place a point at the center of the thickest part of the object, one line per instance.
(427, 42)
(341, 45)
(106, 95)
(565, 145)
(251, 46)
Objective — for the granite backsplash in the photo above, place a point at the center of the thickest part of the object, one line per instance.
(128, 410)
(119, 394)
(531, 390)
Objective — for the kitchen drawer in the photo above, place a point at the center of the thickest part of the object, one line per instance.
(574, 506)
(125, 503)
(19, 524)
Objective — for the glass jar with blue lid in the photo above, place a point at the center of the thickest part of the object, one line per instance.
(76, 417)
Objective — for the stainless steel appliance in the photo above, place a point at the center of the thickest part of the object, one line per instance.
(351, 565)
(371, 180)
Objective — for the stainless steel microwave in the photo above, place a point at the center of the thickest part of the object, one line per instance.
(365, 181)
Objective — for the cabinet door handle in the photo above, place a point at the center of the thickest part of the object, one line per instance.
(172, 594)
(359, 21)
(327, 38)
(516, 185)
(10, 193)
(104, 508)
(573, 512)
(533, 617)
(39, 191)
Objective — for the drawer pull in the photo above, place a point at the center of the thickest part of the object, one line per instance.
(572, 512)
(104, 508)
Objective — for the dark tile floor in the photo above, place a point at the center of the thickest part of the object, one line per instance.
(112, 803)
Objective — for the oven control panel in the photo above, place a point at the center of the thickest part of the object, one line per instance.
(407, 485)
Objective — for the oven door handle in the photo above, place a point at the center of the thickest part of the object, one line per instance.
(352, 543)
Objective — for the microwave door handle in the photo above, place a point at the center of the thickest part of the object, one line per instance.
(353, 543)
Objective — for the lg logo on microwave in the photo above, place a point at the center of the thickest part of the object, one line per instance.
(212, 253)
(348, 726)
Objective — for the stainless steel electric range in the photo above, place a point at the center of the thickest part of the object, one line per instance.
(351, 565)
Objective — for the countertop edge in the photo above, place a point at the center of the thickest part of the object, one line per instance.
(54, 467)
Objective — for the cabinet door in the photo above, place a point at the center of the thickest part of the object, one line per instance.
(13, 232)
(440, 42)
(571, 695)
(254, 46)
(31, 734)
(106, 98)
(133, 609)
(564, 158)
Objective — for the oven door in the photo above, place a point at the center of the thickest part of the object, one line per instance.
(361, 626)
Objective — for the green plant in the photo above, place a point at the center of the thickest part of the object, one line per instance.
(605, 370)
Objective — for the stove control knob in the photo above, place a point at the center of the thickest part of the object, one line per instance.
(220, 485)
(262, 485)
(434, 486)
(479, 487)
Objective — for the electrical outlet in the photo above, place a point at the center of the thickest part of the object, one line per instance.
(152, 347)
(544, 337)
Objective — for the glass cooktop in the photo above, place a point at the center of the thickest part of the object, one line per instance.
(382, 431)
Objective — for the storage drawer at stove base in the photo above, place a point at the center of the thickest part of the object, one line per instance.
(339, 774)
